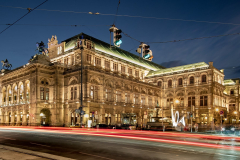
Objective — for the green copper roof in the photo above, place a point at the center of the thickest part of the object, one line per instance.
(114, 51)
(178, 69)
(230, 81)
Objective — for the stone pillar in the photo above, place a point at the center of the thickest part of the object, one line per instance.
(113, 116)
(24, 119)
(6, 118)
(69, 118)
(101, 114)
(87, 114)
(1, 117)
(18, 118)
(12, 119)
(139, 118)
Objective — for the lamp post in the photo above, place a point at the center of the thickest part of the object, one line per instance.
(81, 94)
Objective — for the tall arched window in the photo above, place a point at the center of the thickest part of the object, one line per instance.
(169, 83)
(191, 80)
(180, 81)
(231, 92)
(160, 83)
(204, 78)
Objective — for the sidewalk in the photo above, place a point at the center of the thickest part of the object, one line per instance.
(13, 153)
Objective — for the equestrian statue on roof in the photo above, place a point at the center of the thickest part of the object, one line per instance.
(41, 48)
(6, 64)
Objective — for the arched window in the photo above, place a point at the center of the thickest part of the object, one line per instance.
(94, 92)
(180, 81)
(191, 80)
(169, 83)
(231, 92)
(204, 78)
(160, 83)
(44, 90)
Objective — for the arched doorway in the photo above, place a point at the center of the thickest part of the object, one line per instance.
(45, 117)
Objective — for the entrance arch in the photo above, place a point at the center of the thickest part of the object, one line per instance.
(45, 117)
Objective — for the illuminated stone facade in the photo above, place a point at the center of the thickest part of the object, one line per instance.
(118, 88)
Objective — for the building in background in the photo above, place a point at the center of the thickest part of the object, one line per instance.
(118, 88)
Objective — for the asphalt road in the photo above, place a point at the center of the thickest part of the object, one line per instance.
(97, 147)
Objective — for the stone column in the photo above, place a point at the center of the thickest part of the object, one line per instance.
(1, 117)
(101, 115)
(86, 116)
(24, 118)
(6, 118)
(69, 118)
(113, 116)
(12, 119)
(18, 118)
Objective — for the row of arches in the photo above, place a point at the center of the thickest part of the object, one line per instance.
(16, 93)
(180, 81)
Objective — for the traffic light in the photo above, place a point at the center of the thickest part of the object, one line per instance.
(147, 53)
(117, 37)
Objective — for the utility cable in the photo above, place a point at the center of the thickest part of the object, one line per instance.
(29, 11)
(131, 37)
(159, 18)
(181, 40)
(56, 25)
(116, 13)
(232, 34)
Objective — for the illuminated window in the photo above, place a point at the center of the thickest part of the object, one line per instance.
(191, 101)
(203, 100)
(98, 61)
(169, 102)
(42, 93)
(47, 93)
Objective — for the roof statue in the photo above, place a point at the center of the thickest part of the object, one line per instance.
(6, 64)
(41, 48)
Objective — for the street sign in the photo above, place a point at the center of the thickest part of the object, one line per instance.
(221, 113)
(77, 110)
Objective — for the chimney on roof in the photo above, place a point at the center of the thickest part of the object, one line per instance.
(237, 81)
(210, 64)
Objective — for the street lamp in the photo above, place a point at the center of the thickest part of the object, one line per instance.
(177, 101)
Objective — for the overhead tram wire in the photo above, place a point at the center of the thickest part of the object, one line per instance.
(56, 25)
(29, 11)
(181, 40)
(232, 34)
(158, 18)
(116, 13)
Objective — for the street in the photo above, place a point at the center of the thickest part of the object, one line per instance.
(76, 146)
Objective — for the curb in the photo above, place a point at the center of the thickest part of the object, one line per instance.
(34, 153)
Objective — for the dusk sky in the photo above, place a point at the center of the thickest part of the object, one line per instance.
(18, 43)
